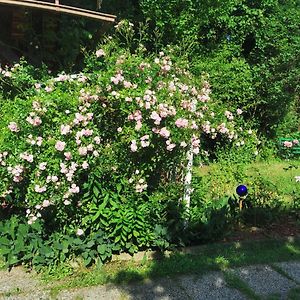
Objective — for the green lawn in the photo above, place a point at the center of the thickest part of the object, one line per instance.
(278, 175)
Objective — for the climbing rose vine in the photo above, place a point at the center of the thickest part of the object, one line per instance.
(132, 116)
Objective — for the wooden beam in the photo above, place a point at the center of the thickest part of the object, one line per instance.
(59, 8)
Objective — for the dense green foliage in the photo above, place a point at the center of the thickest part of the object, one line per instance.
(93, 163)
(250, 48)
(101, 155)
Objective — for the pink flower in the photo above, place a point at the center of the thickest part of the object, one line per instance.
(195, 142)
(133, 146)
(60, 146)
(40, 189)
(222, 128)
(48, 89)
(90, 147)
(206, 127)
(228, 115)
(27, 157)
(79, 232)
(37, 121)
(74, 189)
(288, 144)
(138, 125)
(97, 140)
(85, 165)
(65, 129)
(117, 79)
(82, 151)
(239, 111)
(37, 86)
(296, 142)
(196, 150)
(42, 166)
(87, 132)
(140, 187)
(127, 84)
(13, 127)
(194, 125)
(39, 140)
(182, 123)
(68, 155)
(164, 132)
(46, 203)
(156, 117)
(100, 53)
(170, 146)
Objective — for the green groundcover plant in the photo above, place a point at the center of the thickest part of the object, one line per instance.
(98, 159)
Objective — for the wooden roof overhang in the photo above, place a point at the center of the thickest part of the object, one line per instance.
(59, 8)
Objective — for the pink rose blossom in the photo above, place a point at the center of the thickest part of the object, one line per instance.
(42, 166)
(182, 123)
(40, 189)
(27, 157)
(228, 115)
(48, 89)
(68, 155)
(97, 140)
(60, 146)
(13, 127)
(164, 132)
(65, 129)
(82, 151)
(79, 232)
(170, 146)
(288, 144)
(85, 165)
(133, 146)
(90, 147)
(74, 189)
(156, 117)
(46, 203)
(100, 53)
(37, 86)
(138, 125)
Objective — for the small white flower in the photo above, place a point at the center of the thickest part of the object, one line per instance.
(79, 232)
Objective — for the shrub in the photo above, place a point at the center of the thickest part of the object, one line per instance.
(102, 150)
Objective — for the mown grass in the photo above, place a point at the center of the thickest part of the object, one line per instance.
(207, 258)
(279, 175)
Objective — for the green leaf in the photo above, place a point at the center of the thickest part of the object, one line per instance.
(102, 249)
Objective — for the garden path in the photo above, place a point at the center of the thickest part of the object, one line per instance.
(279, 281)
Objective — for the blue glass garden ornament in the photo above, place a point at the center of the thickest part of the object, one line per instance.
(242, 190)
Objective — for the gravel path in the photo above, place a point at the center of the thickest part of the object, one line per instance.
(282, 281)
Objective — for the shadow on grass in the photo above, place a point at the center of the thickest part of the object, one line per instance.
(159, 278)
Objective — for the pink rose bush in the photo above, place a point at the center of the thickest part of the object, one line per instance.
(128, 112)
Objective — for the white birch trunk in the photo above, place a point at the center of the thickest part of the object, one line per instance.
(189, 170)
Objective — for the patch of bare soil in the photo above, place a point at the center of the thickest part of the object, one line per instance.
(284, 227)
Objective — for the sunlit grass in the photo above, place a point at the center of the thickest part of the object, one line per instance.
(280, 174)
